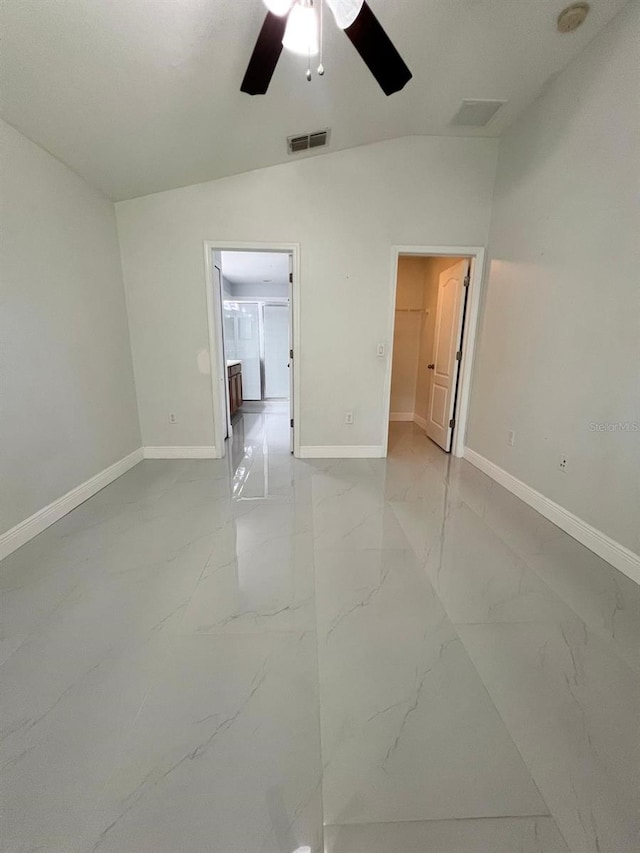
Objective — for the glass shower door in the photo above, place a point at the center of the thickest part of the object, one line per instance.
(242, 341)
(276, 352)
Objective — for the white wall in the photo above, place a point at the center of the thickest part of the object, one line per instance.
(67, 398)
(560, 337)
(227, 287)
(346, 210)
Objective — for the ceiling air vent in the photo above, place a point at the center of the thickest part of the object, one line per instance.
(305, 141)
(476, 113)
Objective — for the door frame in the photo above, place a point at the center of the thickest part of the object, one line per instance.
(476, 255)
(214, 324)
(217, 297)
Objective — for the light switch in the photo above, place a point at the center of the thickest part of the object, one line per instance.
(380, 350)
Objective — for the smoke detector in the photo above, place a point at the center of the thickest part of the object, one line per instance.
(571, 17)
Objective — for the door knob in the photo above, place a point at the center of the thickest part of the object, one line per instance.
(431, 367)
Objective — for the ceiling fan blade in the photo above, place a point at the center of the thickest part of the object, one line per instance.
(265, 55)
(377, 50)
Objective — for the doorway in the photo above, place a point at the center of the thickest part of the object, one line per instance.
(435, 308)
(250, 297)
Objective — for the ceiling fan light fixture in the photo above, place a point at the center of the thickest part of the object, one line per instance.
(301, 33)
(278, 7)
(345, 11)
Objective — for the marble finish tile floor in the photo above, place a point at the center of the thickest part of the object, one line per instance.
(261, 654)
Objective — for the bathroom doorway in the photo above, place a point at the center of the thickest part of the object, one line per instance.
(251, 315)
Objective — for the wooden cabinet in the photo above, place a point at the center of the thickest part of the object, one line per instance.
(234, 372)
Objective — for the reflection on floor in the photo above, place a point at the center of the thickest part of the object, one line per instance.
(261, 654)
(260, 443)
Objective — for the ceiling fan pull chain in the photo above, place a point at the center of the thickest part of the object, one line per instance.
(320, 65)
(309, 66)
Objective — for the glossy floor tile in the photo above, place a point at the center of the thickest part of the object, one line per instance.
(480, 579)
(408, 731)
(261, 654)
(491, 835)
(574, 711)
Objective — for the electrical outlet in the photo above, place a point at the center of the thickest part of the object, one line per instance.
(511, 440)
(563, 463)
(173, 418)
(348, 418)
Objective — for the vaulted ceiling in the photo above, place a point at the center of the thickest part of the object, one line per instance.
(139, 96)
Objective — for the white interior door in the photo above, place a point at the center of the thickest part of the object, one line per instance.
(447, 341)
(276, 351)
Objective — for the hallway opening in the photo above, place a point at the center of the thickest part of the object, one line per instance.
(435, 300)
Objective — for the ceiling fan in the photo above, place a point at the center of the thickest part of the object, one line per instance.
(294, 24)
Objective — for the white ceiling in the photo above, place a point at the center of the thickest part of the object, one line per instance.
(255, 267)
(144, 95)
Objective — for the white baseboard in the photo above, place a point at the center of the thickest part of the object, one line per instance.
(421, 422)
(604, 546)
(39, 521)
(180, 452)
(343, 451)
